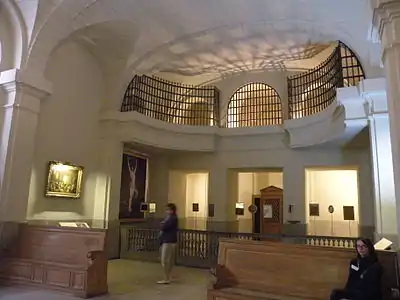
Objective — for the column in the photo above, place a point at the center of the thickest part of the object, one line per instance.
(384, 188)
(20, 112)
(387, 22)
(108, 182)
(294, 194)
(221, 195)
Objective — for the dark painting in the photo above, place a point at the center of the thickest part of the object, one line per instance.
(133, 187)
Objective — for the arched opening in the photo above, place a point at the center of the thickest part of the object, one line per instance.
(255, 104)
(13, 36)
(352, 69)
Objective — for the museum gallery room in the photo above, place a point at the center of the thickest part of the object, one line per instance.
(270, 125)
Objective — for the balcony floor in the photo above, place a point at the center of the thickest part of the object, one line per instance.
(131, 280)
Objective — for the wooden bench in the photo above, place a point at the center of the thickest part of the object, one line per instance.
(273, 270)
(69, 260)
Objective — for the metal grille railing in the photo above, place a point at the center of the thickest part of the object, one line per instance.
(198, 248)
(352, 70)
(172, 102)
(313, 91)
(255, 104)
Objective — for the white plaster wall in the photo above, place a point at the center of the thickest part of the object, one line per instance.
(196, 192)
(384, 186)
(177, 192)
(68, 131)
(293, 162)
(337, 188)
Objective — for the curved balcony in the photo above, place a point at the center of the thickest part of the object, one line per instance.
(172, 115)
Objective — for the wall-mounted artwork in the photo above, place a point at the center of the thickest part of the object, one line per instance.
(195, 207)
(239, 208)
(348, 213)
(64, 180)
(133, 186)
(211, 209)
(314, 209)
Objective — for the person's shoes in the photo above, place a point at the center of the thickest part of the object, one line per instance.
(163, 282)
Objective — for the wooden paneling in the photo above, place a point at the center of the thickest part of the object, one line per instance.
(254, 270)
(70, 260)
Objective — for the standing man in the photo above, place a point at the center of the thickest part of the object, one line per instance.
(168, 240)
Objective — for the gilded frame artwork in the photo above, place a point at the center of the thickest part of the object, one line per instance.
(64, 180)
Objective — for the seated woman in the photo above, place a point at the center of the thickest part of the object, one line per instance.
(364, 281)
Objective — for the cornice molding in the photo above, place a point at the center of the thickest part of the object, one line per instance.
(14, 81)
(385, 12)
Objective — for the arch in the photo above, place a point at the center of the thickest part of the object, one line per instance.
(255, 104)
(352, 69)
(13, 36)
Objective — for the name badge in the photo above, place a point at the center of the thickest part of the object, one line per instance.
(355, 268)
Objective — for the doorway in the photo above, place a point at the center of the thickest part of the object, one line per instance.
(248, 190)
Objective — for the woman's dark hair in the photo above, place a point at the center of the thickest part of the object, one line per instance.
(172, 207)
(371, 249)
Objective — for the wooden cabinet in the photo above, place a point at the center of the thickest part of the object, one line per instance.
(271, 210)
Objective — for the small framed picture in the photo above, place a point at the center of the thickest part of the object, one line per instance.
(267, 211)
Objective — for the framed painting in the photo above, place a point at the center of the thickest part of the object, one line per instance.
(64, 180)
(133, 191)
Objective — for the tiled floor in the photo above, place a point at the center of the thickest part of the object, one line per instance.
(132, 280)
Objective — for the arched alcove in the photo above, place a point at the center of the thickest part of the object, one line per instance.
(255, 104)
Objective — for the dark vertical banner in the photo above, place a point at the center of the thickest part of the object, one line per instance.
(133, 186)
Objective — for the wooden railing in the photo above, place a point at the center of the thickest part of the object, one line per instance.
(200, 248)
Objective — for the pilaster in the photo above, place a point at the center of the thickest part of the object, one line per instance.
(221, 183)
(20, 117)
(386, 20)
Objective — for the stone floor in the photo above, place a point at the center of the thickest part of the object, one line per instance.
(131, 280)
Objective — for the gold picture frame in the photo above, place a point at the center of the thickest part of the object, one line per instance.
(64, 180)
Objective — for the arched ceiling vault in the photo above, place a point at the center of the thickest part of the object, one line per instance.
(191, 37)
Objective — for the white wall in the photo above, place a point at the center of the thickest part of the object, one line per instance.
(337, 188)
(196, 192)
(383, 177)
(184, 189)
(293, 162)
(68, 131)
(177, 191)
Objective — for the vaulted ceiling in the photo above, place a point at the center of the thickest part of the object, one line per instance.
(192, 37)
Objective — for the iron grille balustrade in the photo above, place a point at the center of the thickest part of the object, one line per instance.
(172, 102)
(313, 91)
(255, 104)
(198, 248)
(351, 67)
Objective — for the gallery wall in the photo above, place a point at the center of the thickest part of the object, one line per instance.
(68, 132)
(222, 168)
(336, 188)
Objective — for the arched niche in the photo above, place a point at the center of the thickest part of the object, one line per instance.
(255, 104)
